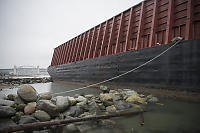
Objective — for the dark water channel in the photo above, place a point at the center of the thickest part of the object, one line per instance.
(172, 117)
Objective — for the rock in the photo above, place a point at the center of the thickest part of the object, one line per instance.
(107, 103)
(81, 104)
(105, 89)
(111, 109)
(27, 93)
(92, 107)
(6, 111)
(86, 114)
(11, 97)
(89, 96)
(17, 116)
(18, 100)
(27, 119)
(6, 102)
(45, 96)
(74, 111)
(153, 100)
(42, 115)
(72, 101)
(136, 99)
(81, 99)
(5, 123)
(3, 96)
(101, 106)
(105, 97)
(117, 96)
(48, 106)
(30, 108)
(121, 105)
(20, 107)
(62, 103)
(70, 128)
(149, 97)
(128, 92)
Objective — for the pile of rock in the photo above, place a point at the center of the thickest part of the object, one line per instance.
(17, 82)
(28, 107)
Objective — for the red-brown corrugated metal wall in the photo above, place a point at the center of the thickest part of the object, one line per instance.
(144, 25)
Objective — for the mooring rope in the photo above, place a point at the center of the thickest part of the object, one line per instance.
(136, 68)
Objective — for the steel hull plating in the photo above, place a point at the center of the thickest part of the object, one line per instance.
(178, 68)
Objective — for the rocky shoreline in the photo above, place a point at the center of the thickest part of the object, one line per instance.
(28, 106)
(14, 82)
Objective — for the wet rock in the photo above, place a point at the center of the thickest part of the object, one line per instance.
(62, 103)
(122, 105)
(3, 96)
(72, 101)
(74, 111)
(6, 102)
(11, 97)
(48, 106)
(27, 93)
(105, 89)
(20, 107)
(30, 108)
(27, 119)
(153, 100)
(42, 115)
(149, 97)
(135, 98)
(6, 111)
(5, 123)
(86, 114)
(70, 128)
(18, 100)
(105, 97)
(111, 109)
(45, 96)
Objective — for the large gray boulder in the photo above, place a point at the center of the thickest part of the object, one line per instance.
(62, 103)
(6, 111)
(27, 93)
(48, 106)
(6, 102)
(42, 115)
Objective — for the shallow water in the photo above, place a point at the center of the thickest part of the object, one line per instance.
(172, 117)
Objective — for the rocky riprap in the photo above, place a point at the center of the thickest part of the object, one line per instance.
(19, 81)
(27, 107)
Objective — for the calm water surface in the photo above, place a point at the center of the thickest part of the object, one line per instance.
(173, 117)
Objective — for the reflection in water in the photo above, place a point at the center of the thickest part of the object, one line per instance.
(173, 117)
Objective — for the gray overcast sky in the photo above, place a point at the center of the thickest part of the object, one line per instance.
(30, 29)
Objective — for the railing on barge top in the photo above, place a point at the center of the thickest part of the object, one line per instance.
(144, 25)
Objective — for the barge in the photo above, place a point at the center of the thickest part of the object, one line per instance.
(132, 38)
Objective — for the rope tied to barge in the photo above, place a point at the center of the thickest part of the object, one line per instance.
(134, 69)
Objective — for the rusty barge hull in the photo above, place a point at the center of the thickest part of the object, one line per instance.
(131, 38)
